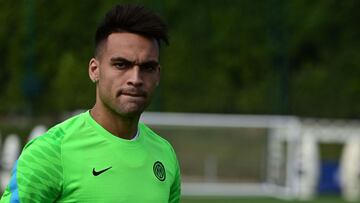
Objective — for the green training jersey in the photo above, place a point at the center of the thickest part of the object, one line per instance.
(79, 161)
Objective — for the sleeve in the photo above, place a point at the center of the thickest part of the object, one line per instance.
(37, 174)
(175, 190)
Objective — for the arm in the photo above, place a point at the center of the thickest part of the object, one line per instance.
(175, 190)
(37, 175)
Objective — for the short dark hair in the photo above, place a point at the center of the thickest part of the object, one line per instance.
(134, 19)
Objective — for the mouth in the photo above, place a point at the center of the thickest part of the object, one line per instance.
(132, 93)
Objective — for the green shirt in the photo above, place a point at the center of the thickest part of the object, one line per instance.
(79, 161)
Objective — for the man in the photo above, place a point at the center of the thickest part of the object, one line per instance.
(105, 154)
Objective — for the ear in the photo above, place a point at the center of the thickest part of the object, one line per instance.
(94, 70)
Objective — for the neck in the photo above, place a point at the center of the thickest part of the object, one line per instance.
(121, 126)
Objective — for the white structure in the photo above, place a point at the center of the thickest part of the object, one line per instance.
(309, 161)
(37, 131)
(10, 153)
(292, 143)
(350, 170)
(281, 129)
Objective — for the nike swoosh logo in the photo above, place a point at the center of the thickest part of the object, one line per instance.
(96, 173)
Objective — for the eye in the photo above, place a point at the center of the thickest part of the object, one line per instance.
(149, 67)
(122, 64)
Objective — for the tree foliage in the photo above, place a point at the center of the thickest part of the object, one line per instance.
(265, 57)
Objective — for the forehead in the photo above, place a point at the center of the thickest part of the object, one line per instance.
(130, 46)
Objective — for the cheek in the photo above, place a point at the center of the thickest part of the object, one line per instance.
(149, 81)
(153, 80)
(152, 86)
(107, 85)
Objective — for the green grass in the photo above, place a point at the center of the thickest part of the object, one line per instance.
(326, 199)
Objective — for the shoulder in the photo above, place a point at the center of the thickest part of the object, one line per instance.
(53, 137)
(38, 173)
(153, 135)
(45, 151)
(156, 140)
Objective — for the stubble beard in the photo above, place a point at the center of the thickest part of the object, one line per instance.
(125, 109)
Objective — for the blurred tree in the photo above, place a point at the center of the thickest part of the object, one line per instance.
(325, 58)
(11, 53)
(295, 57)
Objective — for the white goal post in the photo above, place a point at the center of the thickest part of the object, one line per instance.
(292, 158)
(280, 128)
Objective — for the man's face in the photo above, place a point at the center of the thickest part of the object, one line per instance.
(127, 71)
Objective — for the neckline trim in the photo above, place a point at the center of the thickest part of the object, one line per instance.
(109, 135)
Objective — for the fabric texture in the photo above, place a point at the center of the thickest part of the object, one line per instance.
(79, 161)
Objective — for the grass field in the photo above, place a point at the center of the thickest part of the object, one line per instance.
(327, 199)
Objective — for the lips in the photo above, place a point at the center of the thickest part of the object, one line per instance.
(132, 93)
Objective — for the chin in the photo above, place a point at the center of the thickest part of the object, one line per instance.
(130, 112)
(128, 109)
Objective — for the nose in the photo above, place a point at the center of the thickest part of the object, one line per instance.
(135, 77)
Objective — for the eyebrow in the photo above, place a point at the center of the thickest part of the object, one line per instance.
(115, 59)
(119, 58)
